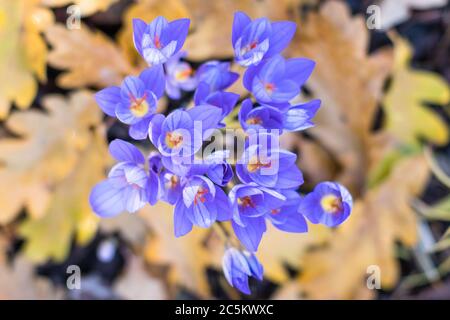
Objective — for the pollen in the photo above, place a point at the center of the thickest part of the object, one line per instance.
(157, 42)
(139, 107)
(246, 202)
(200, 196)
(254, 120)
(173, 139)
(173, 182)
(275, 211)
(256, 163)
(331, 203)
(183, 75)
(270, 87)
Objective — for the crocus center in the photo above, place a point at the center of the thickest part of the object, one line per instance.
(331, 203)
(270, 87)
(200, 195)
(252, 45)
(173, 182)
(157, 42)
(183, 74)
(139, 107)
(254, 120)
(275, 211)
(256, 163)
(246, 202)
(173, 139)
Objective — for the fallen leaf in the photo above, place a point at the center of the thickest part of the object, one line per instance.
(23, 52)
(137, 284)
(19, 282)
(379, 219)
(68, 214)
(48, 149)
(90, 58)
(348, 81)
(406, 116)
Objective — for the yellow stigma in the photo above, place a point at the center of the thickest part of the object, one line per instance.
(183, 75)
(254, 120)
(255, 164)
(173, 139)
(139, 109)
(331, 203)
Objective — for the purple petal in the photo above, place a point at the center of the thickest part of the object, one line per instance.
(240, 21)
(125, 151)
(154, 80)
(182, 224)
(282, 34)
(299, 117)
(139, 27)
(224, 210)
(179, 30)
(299, 70)
(155, 128)
(105, 200)
(139, 130)
(108, 99)
(250, 236)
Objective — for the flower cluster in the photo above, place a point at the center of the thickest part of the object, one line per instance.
(257, 187)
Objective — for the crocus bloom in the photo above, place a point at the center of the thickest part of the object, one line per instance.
(259, 39)
(202, 203)
(238, 266)
(217, 75)
(181, 134)
(170, 184)
(179, 76)
(225, 101)
(269, 167)
(295, 118)
(135, 101)
(159, 40)
(329, 204)
(218, 170)
(250, 203)
(277, 80)
(285, 216)
(128, 186)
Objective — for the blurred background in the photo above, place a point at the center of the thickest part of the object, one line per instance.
(383, 131)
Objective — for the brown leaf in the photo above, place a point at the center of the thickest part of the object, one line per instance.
(349, 83)
(90, 58)
(382, 217)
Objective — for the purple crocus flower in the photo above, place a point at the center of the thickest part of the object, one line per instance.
(238, 266)
(128, 186)
(277, 80)
(295, 118)
(225, 101)
(285, 216)
(218, 170)
(135, 101)
(259, 39)
(217, 75)
(329, 204)
(179, 76)
(181, 134)
(202, 203)
(269, 167)
(159, 40)
(250, 203)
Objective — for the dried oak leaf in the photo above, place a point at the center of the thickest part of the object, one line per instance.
(212, 22)
(379, 219)
(23, 52)
(69, 212)
(90, 58)
(406, 116)
(86, 7)
(348, 81)
(19, 282)
(187, 257)
(48, 149)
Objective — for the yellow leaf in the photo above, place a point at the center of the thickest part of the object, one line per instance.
(47, 151)
(348, 81)
(186, 257)
(87, 7)
(91, 59)
(23, 52)
(406, 116)
(382, 217)
(68, 212)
